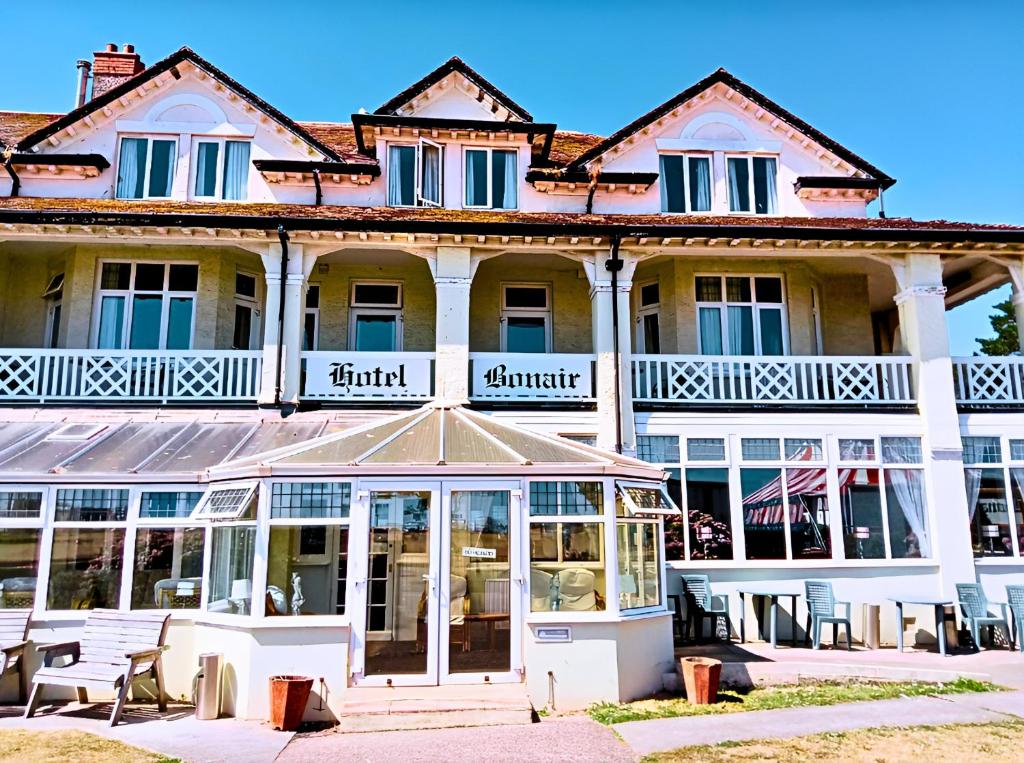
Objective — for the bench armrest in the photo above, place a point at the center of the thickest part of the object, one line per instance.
(70, 649)
(146, 654)
(14, 649)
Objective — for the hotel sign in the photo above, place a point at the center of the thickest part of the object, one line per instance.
(529, 377)
(367, 375)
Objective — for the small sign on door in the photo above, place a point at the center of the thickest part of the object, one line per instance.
(479, 553)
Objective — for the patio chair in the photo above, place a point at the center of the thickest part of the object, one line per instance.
(821, 609)
(13, 640)
(1015, 602)
(700, 606)
(975, 610)
(116, 648)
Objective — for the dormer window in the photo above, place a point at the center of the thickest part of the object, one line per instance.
(415, 175)
(221, 169)
(685, 183)
(491, 179)
(752, 184)
(145, 168)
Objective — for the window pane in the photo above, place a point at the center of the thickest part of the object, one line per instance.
(908, 515)
(242, 333)
(901, 450)
(526, 297)
(476, 178)
(183, 278)
(402, 175)
(54, 336)
(710, 320)
(232, 551)
(310, 500)
(111, 323)
(700, 184)
(376, 333)
(430, 173)
(1017, 491)
(741, 330)
(639, 565)
(705, 449)
(168, 568)
(87, 505)
(19, 567)
(503, 179)
(768, 290)
(982, 450)
(673, 192)
(169, 504)
(760, 449)
(149, 276)
(313, 296)
(1017, 450)
(739, 185)
(145, 331)
(525, 334)
(567, 498)
(989, 512)
(161, 168)
(85, 568)
(20, 505)
(567, 567)
(236, 170)
(649, 294)
(771, 331)
(764, 522)
(116, 275)
(765, 192)
(179, 324)
(857, 450)
(708, 514)
(309, 331)
(206, 169)
(131, 168)
(307, 570)
(803, 449)
(861, 504)
(657, 449)
(737, 289)
(808, 513)
(709, 289)
(652, 334)
(381, 294)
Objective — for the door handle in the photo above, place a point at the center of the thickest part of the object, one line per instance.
(433, 583)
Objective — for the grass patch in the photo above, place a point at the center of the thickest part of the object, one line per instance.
(776, 697)
(1002, 741)
(19, 746)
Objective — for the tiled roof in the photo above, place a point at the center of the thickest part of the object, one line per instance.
(566, 146)
(15, 125)
(340, 136)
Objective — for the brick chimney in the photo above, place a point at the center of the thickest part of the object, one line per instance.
(111, 67)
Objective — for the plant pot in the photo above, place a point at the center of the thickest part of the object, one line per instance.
(288, 696)
(700, 677)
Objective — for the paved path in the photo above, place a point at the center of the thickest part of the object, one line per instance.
(571, 739)
(645, 737)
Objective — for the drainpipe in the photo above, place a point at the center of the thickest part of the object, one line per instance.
(319, 190)
(881, 203)
(282, 235)
(614, 265)
(9, 166)
(594, 170)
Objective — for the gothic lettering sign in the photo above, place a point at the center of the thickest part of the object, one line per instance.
(367, 375)
(523, 376)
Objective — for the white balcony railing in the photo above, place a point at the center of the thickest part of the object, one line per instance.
(34, 375)
(367, 376)
(989, 381)
(526, 377)
(790, 380)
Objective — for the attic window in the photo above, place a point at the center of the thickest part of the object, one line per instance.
(81, 432)
(752, 184)
(221, 169)
(491, 179)
(685, 183)
(416, 175)
(226, 502)
(145, 168)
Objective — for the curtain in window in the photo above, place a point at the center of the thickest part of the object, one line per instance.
(770, 191)
(431, 174)
(131, 167)
(700, 185)
(145, 330)
(672, 188)
(972, 479)
(908, 489)
(741, 330)
(206, 169)
(771, 331)
(710, 319)
(179, 324)
(236, 169)
(161, 168)
(111, 323)
(476, 178)
(507, 180)
(739, 185)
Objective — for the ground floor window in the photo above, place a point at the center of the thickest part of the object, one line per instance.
(232, 551)
(168, 572)
(85, 568)
(639, 565)
(307, 570)
(994, 480)
(19, 567)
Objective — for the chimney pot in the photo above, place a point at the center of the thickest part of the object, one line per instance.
(111, 67)
(129, 48)
(111, 47)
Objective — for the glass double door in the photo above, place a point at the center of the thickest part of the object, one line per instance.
(442, 590)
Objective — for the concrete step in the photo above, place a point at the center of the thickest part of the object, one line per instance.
(436, 707)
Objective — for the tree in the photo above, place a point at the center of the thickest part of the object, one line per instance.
(1004, 323)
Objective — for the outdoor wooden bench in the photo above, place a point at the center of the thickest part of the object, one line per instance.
(13, 640)
(115, 648)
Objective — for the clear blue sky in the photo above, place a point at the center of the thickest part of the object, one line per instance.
(930, 91)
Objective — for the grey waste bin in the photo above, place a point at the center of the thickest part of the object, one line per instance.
(206, 687)
(872, 626)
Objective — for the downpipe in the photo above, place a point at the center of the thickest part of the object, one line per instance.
(614, 265)
(282, 236)
(9, 166)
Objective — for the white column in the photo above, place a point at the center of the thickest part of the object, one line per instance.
(452, 269)
(923, 327)
(609, 417)
(272, 307)
(1016, 270)
(300, 264)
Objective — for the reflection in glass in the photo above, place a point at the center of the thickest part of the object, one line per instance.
(639, 567)
(764, 523)
(525, 334)
(567, 566)
(861, 504)
(307, 570)
(808, 513)
(19, 567)
(908, 515)
(85, 568)
(1017, 491)
(231, 558)
(168, 568)
(988, 511)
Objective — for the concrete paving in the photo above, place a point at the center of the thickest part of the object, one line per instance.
(176, 734)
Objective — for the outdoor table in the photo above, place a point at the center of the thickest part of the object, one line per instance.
(773, 598)
(940, 619)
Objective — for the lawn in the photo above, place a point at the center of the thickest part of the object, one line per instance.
(775, 697)
(982, 741)
(17, 746)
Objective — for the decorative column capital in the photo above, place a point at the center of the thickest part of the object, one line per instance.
(923, 290)
(452, 282)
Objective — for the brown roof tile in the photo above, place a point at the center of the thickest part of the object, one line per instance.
(15, 125)
(566, 146)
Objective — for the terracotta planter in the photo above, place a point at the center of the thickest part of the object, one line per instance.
(288, 696)
(700, 677)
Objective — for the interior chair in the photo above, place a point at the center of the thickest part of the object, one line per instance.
(577, 591)
(540, 590)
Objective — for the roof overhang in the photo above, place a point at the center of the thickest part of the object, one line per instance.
(576, 180)
(369, 126)
(839, 188)
(286, 171)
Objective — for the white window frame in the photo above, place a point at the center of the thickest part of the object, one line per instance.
(756, 307)
(358, 309)
(420, 158)
(490, 181)
(54, 296)
(314, 312)
(218, 194)
(622, 490)
(129, 296)
(749, 158)
(687, 196)
(150, 137)
(642, 311)
(138, 522)
(202, 512)
(526, 312)
(1005, 464)
(253, 303)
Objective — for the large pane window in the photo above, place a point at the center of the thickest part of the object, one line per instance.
(752, 184)
(808, 513)
(168, 570)
(416, 175)
(145, 168)
(861, 503)
(146, 306)
(639, 564)
(994, 529)
(764, 521)
(525, 318)
(232, 550)
(741, 315)
(685, 183)
(375, 317)
(708, 513)
(491, 178)
(19, 567)
(85, 568)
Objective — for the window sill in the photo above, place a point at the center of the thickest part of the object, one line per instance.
(999, 561)
(570, 618)
(814, 564)
(253, 623)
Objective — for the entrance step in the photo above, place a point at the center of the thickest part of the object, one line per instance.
(433, 707)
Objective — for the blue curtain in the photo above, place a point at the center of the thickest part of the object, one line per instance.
(206, 169)
(710, 321)
(131, 167)
(700, 184)
(236, 170)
